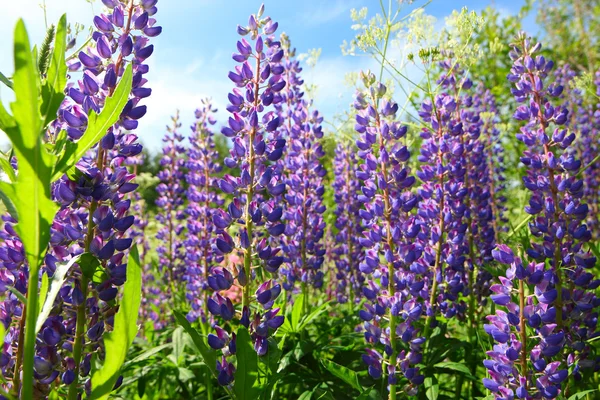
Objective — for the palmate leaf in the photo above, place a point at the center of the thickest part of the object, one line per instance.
(98, 125)
(125, 329)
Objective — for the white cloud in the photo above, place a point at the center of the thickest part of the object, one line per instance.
(181, 88)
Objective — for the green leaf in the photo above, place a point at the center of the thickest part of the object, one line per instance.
(98, 125)
(432, 388)
(208, 355)
(125, 329)
(581, 395)
(10, 206)
(185, 374)
(453, 366)
(297, 309)
(58, 279)
(313, 315)
(30, 193)
(88, 263)
(246, 374)
(53, 87)
(178, 343)
(43, 292)
(8, 169)
(17, 294)
(307, 395)
(147, 354)
(345, 374)
(6, 120)
(5, 80)
(369, 394)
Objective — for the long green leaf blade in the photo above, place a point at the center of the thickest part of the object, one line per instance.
(209, 355)
(5, 80)
(57, 282)
(246, 375)
(30, 194)
(125, 329)
(98, 125)
(345, 374)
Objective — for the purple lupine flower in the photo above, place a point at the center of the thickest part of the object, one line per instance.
(443, 203)
(347, 252)
(97, 220)
(203, 201)
(170, 201)
(513, 367)
(94, 210)
(586, 121)
(562, 315)
(250, 220)
(305, 227)
(489, 216)
(394, 291)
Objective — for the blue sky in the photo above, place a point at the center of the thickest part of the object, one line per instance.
(193, 55)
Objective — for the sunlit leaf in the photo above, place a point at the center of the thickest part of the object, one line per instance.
(125, 329)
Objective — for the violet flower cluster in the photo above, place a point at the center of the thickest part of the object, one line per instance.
(249, 219)
(443, 199)
(304, 173)
(94, 214)
(394, 290)
(203, 201)
(562, 309)
(170, 202)
(490, 218)
(347, 252)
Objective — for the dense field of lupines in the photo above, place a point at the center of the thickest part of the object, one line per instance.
(444, 248)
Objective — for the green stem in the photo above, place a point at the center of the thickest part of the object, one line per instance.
(247, 217)
(522, 332)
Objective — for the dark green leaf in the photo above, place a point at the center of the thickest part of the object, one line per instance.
(369, 394)
(98, 125)
(208, 355)
(453, 366)
(581, 395)
(345, 374)
(88, 264)
(245, 386)
(313, 315)
(125, 329)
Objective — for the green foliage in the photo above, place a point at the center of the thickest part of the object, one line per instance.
(118, 341)
(209, 356)
(28, 196)
(58, 280)
(98, 125)
(246, 375)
